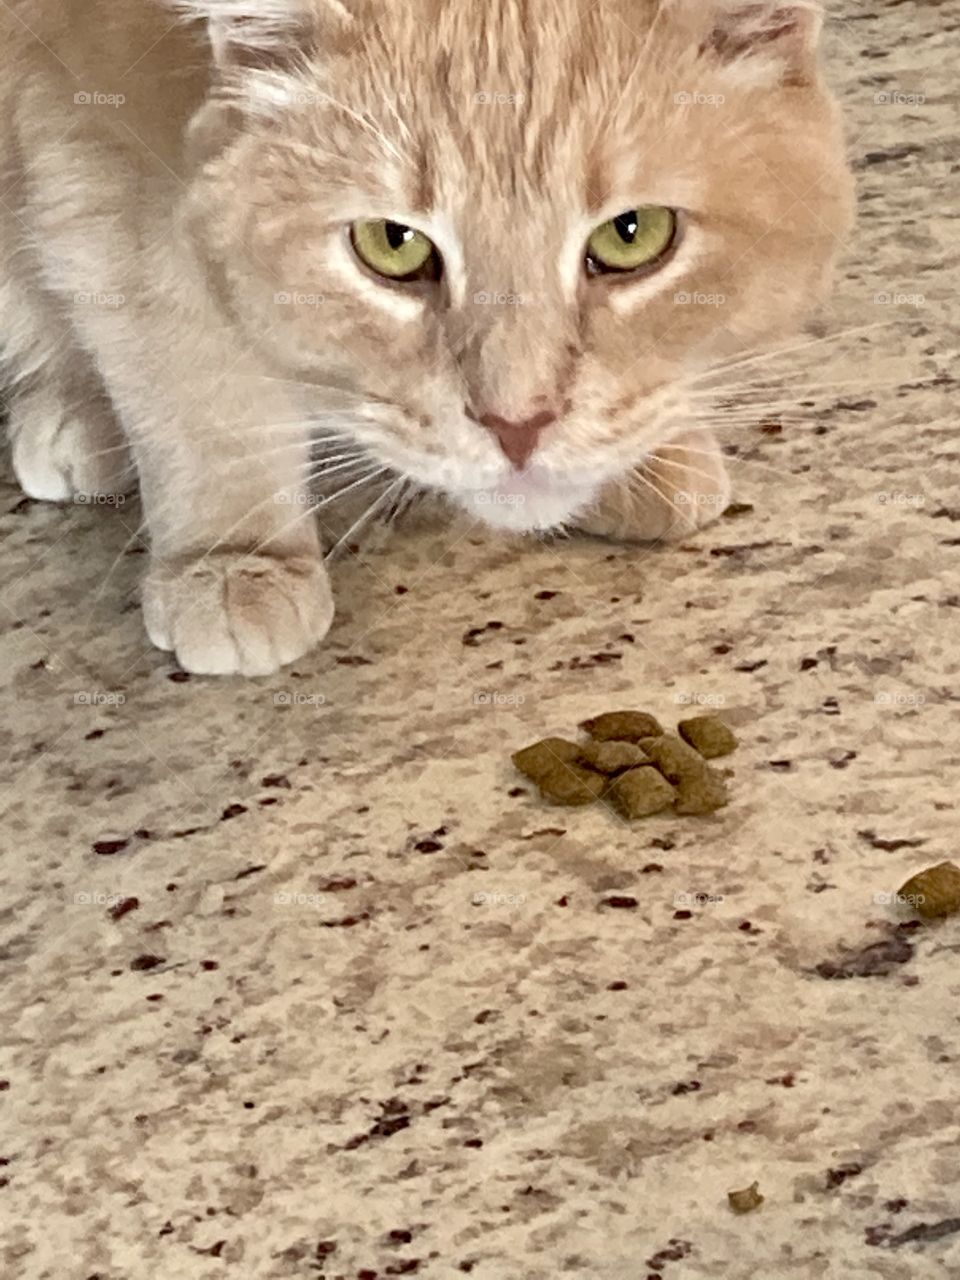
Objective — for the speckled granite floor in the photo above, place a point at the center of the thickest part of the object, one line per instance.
(297, 984)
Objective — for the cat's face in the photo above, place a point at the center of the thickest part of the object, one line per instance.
(494, 138)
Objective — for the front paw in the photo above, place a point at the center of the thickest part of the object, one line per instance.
(682, 486)
(68, 445)
(234, 614)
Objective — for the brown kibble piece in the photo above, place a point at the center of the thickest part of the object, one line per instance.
(746, 1200)
(638, 793)
(708, 735)
(570, 784)
(612, 757)
(552, 765)
(700, 788)
(936, 890)
(542, 757)
(622, 726)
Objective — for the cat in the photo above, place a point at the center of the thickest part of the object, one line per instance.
(485, 246)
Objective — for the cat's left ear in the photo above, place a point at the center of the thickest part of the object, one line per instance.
(784, 35)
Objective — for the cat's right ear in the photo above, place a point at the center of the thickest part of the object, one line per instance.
(258, 34)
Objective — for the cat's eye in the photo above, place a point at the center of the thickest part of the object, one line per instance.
(636, 239)
(393, 250)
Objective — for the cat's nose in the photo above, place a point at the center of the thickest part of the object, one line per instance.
(518, 440)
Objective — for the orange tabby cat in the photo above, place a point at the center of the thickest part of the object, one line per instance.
(486, 247)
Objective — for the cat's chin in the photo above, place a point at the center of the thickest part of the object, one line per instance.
(524, 505)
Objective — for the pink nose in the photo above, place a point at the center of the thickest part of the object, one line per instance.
(518, 440)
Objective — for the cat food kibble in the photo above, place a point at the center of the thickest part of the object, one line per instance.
(622, 726)
(612, 757)
(935, 892)
(542, 757)
(552, 765)
(638, 793)
(708, 735)
(700, 788)
(631, 764)
(747, 1200)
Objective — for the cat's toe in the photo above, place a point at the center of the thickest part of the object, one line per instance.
(235, 614)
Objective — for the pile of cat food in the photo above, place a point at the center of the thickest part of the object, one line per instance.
(629, 761)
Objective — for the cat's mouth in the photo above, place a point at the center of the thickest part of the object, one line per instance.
(536, 498)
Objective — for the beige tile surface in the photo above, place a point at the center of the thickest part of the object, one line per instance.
(297, 984)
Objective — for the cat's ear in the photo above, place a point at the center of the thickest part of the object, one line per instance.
(784, 35)
(261, 33)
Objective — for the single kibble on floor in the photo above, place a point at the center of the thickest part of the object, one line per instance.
(700, 788)
(638, 793)
(612, 757)
(934, 892)
(746, 1200)
(541, 758)
(622, 726)
(708, 735)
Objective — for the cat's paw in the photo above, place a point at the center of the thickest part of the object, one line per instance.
(681, 487)
(234, 614)
(64, 451)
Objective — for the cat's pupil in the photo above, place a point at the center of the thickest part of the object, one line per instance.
(397, 235)
(628, 224)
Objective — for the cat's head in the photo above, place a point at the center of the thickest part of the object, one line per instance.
(511, 231)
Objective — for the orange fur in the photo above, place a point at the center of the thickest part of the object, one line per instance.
(214, 200)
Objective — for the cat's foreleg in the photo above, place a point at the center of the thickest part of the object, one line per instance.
(236, 582)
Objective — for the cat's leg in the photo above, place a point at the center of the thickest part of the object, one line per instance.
(237, 582)
(681, 487)
(66, 440)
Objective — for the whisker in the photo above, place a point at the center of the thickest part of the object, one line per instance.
(647, 482)
(760, 356)
(731, 460)
(365, 516)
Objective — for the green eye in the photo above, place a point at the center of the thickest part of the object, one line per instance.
(632, 240)
(391, 249)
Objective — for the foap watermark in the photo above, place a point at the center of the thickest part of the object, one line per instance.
(98, 698)
(694, 899)
(286, 96)
(110, 301)
(899, 298)
(699, 299)
(700, 699)
(697, 99)
(93, 898)
(99, 499)
(910, 900)
(491, 698)
(486, 298)
(496, 98)
(500, 499)
(97, 99)
(899, 698)
(484, 898)
(686, 498)
(898, 98)
(294, 698)
(301, 498)
(897, 499)
(293, 898)
(299, 298)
